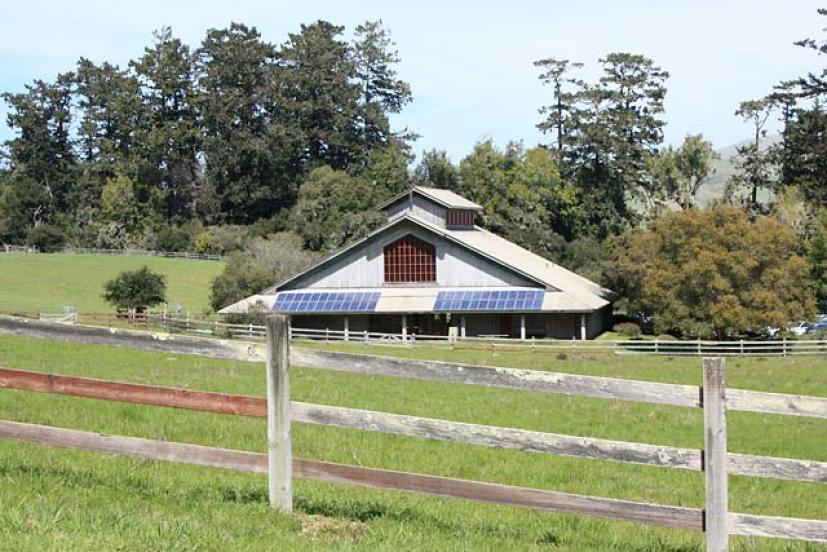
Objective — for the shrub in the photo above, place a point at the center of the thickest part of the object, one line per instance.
(136, 289)
(48, 238)
(222, 240)
(629, 329)
(263, 264)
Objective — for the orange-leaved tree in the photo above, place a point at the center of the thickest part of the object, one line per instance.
(713, 273)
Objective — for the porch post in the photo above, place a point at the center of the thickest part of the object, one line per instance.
(583, 327)
(404, 327)
(462, 326)
(522, 326)
(347, 329)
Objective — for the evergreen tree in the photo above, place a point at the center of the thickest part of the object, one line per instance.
(381, 92)
(246, 149)
(41, 152)
(171, 137)
(320, 96)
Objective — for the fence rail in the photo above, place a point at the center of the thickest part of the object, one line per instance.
(780, 347)
(714, 460)
(7, 248)
(145, 253)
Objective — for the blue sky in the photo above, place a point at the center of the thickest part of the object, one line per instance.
(469, 62)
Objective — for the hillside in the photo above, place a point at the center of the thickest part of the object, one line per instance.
(50, 282)
(713, 187)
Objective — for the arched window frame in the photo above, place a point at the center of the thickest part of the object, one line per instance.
(409, 260)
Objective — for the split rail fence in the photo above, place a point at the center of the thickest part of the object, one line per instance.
(714, 460)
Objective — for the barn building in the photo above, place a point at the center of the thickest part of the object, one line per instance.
(431, 268)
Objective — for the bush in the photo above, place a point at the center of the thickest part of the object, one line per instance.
(169, 237)
(222, 240)
(629, 329)
(48, 238)
(263, 264)
(136, 289)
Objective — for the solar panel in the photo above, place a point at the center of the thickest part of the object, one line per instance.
(327, 301)
(510, 300)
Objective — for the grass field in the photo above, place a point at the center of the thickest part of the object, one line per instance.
(62, 499)
(48, 282)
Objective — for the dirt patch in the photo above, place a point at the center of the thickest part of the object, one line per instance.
(322, 527)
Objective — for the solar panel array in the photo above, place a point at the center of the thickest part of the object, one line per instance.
(328, 301)
(453, 301)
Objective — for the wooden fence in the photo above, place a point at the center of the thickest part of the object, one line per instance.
(146, 253)
(714, 460)
(673, 347)
(6, 248)
(779, 347)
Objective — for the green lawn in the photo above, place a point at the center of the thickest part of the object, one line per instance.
(48, 282)
(61, 499)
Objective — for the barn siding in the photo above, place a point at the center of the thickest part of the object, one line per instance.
(429, 211)
(398, 209)
(364, 267)
(422, 208)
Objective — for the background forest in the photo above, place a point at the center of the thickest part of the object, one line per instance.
(275, 154)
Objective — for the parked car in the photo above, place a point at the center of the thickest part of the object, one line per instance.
(801, 328)
(770, 331)
(820, 326)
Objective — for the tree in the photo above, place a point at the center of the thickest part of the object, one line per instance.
(264, 263)
(334, 209)
(387, 170)
(42, 148)
(436, 170)
(522, 196)
(816, 249)
(136, 289)
(320, 96)
(381, 91)
(112, 117)
(171, 138)
(607, 132)
(24, 205)
(559, 113)
(713, 273)
(678, 174)
(248, 153)
(753, 162)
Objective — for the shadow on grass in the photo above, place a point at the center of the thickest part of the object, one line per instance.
(566, 531)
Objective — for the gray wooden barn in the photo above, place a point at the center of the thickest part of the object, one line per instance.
(431, 268)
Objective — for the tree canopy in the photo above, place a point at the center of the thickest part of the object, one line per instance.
(714, 273)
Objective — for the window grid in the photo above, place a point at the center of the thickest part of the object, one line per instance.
(460, 217)
(410, 260)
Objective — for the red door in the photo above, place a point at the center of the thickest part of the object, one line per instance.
(505, 324)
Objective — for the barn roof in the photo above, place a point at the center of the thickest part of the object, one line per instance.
(565, 290)
(446, 198)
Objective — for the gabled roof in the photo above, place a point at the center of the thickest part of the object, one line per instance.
(583, 293)
(590, 294)
(446, 198)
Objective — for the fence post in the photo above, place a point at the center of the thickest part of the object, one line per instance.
(715, 456)
(279, 448)
(784, 347)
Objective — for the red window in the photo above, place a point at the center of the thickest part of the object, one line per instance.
(410, 260)
(460, 217)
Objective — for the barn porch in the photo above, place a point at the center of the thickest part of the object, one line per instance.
(505, 325)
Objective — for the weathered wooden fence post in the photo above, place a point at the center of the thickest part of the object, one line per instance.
(279, 448)
(715, 456)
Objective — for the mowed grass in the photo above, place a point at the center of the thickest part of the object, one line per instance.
(62, 499)
(49, 282)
